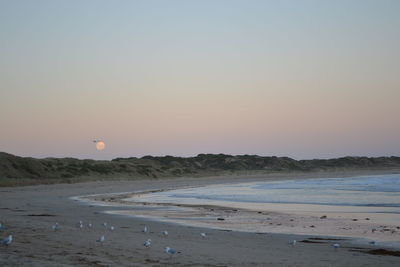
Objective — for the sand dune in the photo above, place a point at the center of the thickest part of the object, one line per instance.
(16, 170)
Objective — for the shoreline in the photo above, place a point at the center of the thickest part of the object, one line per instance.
(259, 218)
(29, 213)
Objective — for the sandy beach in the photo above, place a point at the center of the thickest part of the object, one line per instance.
(29, 213)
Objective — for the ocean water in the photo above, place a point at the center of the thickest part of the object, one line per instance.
(363, 191)
(377, 191)
(353, 205)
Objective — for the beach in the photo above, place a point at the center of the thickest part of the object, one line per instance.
(29, 213)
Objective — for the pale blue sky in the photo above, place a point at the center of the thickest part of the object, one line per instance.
(297, 78)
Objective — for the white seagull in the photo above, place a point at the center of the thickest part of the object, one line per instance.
(147, 244)
(336, 246)
(203, 235)
(145, 229)
(7, 241)
(293, 242)
(90, 225)
(101, 240)
(112, 228)
(164, 233)
(170, 251)
(56, 227)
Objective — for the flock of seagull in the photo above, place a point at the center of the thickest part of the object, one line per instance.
(147, 244)
(56, 227)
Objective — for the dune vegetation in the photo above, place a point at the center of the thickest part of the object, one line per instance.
(15, 170)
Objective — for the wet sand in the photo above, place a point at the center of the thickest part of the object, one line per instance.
(29, 213)
(366, 224)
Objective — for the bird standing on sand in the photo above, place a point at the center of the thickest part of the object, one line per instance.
(56, 227)
(293, 242)
(164, 233)
(89, 225)
(170, 251)
(112, 228)
(105, 224)
(101, 240)
(203, 235)
(147, 244)
(2, 227)
(336, 246)
(7, 241)
(145, 229)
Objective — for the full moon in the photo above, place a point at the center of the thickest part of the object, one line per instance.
(100, 145)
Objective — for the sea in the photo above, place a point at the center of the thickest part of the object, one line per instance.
(366, 191)
(379, 194)
(361, 207)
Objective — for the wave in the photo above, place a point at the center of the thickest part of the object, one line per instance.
(367, 191)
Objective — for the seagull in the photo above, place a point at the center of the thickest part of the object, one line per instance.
(336, 246)
(80, 224)
(170, 251)
(89, 225)
(56, 227)
(105, 224)
(203, 235)
(112, 228)
(145, 229)
(101, 240)
(164, 233)
(147, 244)
(7, 241)
(293, 242)
(2, 227)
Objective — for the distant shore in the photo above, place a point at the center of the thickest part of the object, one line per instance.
(29, 212)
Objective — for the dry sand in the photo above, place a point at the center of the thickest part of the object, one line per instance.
(29, 213)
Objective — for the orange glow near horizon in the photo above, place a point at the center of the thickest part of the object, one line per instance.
(268, 78)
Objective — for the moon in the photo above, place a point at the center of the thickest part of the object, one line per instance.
(100, 145)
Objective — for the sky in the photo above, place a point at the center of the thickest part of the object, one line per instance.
(303, 79)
